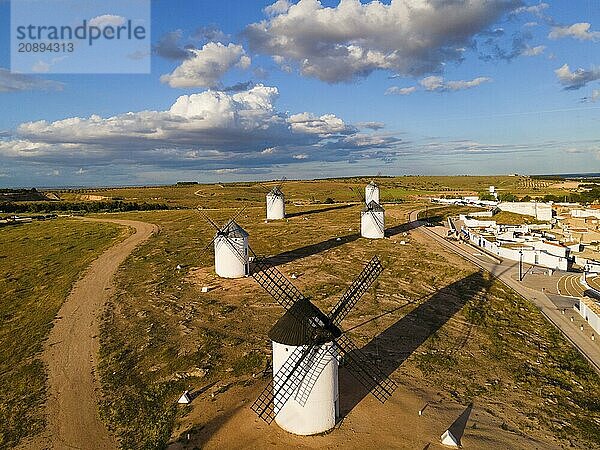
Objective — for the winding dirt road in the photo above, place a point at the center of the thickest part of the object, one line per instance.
(71, 352)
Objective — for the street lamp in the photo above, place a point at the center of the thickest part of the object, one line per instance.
(521, 265)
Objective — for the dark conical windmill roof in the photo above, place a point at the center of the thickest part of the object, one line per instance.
(276, 191)
(372, 183)
(233, 230)
(289, 330)
(373, 206)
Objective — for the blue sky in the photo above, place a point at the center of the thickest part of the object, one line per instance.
(257, 90)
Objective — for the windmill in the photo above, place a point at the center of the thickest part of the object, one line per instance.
(372, 221)
(372, 191)
(303, 395)
(276, 202)
(372, 218)
(231, 248)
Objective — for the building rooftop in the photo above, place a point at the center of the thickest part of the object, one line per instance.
(592, 304)
(373, 206)
(233, 230)
(290, 330)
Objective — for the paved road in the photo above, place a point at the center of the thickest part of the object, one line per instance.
(72, 349)
(570, 286)
(551, 306)
(594, 282)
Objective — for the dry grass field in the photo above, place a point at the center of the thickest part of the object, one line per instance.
(394, 189)
(444, 331)
(39, 263)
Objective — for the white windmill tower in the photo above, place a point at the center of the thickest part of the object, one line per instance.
(307, 347)
(371, 193)
(372, 221)
(231, 249)
(276, 203)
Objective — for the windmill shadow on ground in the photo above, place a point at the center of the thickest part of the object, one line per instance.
(403, 228)
(331, 243)
(311, 249)
(316, 211)
(394, 345)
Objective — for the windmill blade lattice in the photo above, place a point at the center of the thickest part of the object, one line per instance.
(276, 284)
(318, 362)
(234, 248)
(363, 369)
(359, 194)
(283, 385)
(356, 290)
(377, 221)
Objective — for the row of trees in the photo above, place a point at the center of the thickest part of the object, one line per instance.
(588, 196)
(90, 207)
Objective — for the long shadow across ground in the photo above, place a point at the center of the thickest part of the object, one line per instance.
(316, 211)
(331, 243)
(394, 345)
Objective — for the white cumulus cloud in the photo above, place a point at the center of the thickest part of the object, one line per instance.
(15, 82)
(206, 66)
(279, 7)
(395, 90)
(580, 31)
(353, 39)
(436, 83)
(577, 79)
(534, 51)
(209, 130)
(106, 20)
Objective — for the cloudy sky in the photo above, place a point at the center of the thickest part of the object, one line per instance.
(246, 89)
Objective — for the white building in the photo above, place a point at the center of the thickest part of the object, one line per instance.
(585, 213)
(516, 251)
(371, 193)
(275, 204)
(590, 311)
(372, 221)
(313, 407)
(231, 251)
(541, 211)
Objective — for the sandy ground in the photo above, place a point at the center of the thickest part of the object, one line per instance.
(226, 421)
(71, 353)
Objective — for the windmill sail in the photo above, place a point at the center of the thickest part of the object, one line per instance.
(356, 290)
(363, 369)
(227, 234)
(276, 284)
(302, 368)
(282, 386)
(377, 221)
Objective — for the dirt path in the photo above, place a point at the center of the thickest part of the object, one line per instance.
(71, 352)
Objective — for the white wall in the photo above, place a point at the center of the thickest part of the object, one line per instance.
(275, 207)
(321, 407)
(475, 223)
(589, 315)
(369, 227)
(583, 213)
(228, 263)
(530, 254)
(549, 248)
(541, 211)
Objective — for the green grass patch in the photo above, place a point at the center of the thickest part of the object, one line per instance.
(39, 263)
